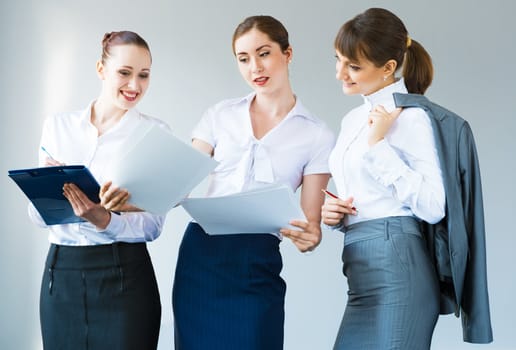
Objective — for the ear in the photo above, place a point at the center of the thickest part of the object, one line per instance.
(289, 54)
(389, 68)
(100, 70)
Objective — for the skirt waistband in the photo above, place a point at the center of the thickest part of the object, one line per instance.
(382, 227)
(96, 256)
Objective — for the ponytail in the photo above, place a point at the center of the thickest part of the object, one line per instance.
(418, 70)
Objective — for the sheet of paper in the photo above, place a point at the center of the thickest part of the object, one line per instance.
(160, 170)
(264, 210)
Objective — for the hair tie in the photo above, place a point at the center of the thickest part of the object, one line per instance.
(409, 41)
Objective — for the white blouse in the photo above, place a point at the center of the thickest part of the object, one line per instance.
(398, 176)
(71, 139)
(299, 145)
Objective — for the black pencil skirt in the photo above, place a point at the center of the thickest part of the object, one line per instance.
(99, 297)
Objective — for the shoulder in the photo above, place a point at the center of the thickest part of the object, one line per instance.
(227, 105)
(314, 125)
(66, 118)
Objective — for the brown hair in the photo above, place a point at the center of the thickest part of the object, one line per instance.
(124, 37)
(378, 35)
(265, 24)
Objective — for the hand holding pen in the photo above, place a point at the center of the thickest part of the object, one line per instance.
(334, 209)
(49, 160)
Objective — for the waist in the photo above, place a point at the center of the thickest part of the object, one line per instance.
(96, 256)
(380, 227)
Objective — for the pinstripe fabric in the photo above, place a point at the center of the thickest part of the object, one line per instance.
(393, 294)
(228, 293)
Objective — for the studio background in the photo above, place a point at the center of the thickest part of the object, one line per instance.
(49, 49)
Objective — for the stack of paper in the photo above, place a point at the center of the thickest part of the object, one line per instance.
(264, 210)
(160, 170)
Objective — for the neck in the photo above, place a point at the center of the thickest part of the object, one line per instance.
(274, 105)
(104, 116)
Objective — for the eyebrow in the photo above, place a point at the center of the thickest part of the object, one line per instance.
(130, 67)
(258, 49)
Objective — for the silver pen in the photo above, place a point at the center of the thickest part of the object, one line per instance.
(48, 154)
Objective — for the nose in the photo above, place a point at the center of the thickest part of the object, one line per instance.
(133, 82)
(340, 71)
(256, 66)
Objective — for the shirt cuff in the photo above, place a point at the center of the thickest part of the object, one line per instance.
(339, 227)
(115, 225)
(383, 163)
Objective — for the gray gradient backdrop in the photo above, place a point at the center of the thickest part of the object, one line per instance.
(49, 49)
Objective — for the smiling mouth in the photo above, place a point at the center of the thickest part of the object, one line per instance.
(129, 96)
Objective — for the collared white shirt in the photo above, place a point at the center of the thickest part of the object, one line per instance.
(72, 139)
(398, 176)
(299, 145)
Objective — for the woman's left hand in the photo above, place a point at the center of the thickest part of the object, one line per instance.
(83, 207)
(380, 121)
(307, 238)
(115, 199)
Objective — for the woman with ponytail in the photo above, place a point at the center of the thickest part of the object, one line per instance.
(387, 173)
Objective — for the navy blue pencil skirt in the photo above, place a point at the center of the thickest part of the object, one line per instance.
(102, 297)
(393, 292)
(228, 293)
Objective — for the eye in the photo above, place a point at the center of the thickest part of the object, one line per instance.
(143, 75)
(242, 59)
(354, 67)
(124, 72)
(337, 58)
(264, 53)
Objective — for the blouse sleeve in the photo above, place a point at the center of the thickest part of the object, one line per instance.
(323, 146)
(407, 161)
(204, 129)
(131, 227)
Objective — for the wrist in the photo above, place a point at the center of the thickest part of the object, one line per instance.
(106, 219)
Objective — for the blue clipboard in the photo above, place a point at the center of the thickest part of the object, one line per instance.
(44, 188)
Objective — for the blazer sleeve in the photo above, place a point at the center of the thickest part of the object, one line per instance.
(475, 314)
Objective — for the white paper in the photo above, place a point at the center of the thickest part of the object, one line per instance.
(160, 170)
(264, 210)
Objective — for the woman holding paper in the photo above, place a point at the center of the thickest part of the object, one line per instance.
(386, 165)
(99, 290)
(228, 293)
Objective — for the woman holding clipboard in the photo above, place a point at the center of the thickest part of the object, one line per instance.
(99, 290)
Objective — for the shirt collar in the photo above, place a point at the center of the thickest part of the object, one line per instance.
(297, 111)
(384, 96)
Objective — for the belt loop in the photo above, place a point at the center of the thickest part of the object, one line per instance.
(116, 257)
(54, 248)
(386, 229)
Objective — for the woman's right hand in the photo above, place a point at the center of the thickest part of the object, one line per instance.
(52, 162)
(115, 199)
(334, 209)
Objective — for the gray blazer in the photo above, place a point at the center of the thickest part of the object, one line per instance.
(457, 243)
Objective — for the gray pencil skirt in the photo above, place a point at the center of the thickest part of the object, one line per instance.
(393, 291)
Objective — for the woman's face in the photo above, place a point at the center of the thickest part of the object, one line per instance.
(125, 75)
(261, 62)
(360, 77)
